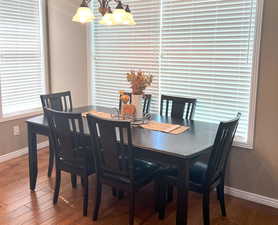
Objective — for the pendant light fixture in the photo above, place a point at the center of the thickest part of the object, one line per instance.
(83, 14)
(119, 16)
(108, 19)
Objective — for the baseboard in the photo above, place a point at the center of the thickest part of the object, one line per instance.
(21, 152)
(228, 190)
(251, 197)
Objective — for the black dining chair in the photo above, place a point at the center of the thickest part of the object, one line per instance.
(58, 101)
(72, 149)
(146, 105)
(205, 176)
(178, 107)
(115, 162)
(61, 102)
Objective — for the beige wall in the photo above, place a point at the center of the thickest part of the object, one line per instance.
(257, 170)
(67, 51)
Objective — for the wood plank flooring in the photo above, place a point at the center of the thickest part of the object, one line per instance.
(18, 205)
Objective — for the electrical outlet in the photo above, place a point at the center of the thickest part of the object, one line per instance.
(16, 130)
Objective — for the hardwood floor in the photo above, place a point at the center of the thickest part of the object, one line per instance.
(18, 205)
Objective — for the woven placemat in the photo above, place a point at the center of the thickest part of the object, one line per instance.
(165, 127)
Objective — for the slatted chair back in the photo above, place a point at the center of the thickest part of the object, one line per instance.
(113, 151)
(221, 150)
(181, 108)
(58, 101)
(67, 136)
(146, 105)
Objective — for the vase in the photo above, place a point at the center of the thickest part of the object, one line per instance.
(136, 100)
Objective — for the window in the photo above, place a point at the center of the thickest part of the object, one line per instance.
(118, 49)
(22, 65)
(206, 49)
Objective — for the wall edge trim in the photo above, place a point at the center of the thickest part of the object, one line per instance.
(260, 199)
(21, 152)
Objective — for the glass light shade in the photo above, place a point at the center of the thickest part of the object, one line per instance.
(129, 20)
(107, 19)
(83, 15)
(119, 16)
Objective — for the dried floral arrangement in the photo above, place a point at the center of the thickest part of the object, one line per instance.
(139, 81)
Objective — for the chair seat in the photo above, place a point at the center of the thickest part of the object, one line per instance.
(144, 171)
(196, 172)
(82, 156)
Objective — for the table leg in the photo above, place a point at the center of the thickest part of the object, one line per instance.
(33, 161)
(51, 158)
(182, 193)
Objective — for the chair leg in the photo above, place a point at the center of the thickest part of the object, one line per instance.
(120, 194)
(98, 191)
(131, 207)
(50, 161)
(57, 186)
(170, 193)
(114, 192)
(156, 195)
(73, 180)
(206, 208)
(162, 200)
(221, 198)
(218, 193)
(85, 195)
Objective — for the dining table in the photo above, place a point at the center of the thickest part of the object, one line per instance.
(177, 150)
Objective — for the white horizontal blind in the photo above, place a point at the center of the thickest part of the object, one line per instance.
(207, 53)
(118, 49)
(21, 55)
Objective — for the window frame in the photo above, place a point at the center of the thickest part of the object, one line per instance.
(45, 51)
(254, 81)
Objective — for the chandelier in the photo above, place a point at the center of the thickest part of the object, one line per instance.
(121, 15)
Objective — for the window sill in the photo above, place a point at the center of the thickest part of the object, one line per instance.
(243, 146)
(20, 115)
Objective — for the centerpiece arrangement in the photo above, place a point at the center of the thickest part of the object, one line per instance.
(139, 81)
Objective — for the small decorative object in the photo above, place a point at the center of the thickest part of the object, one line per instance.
(139, 81)
(128, 110)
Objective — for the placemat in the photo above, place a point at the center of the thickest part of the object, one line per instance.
(99, 114)
(165, 127)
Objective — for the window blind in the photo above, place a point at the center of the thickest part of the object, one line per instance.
(207, 53)
(118, 49)
(21, 55)
(205, 49)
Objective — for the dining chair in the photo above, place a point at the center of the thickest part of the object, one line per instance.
(72, 149)
(146, 105)
(58, 101)
(61, 102)
(205, 176)
(180, 107)
(115, 162)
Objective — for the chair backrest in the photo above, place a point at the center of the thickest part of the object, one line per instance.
(67, 135)
(147, 101)
(221, 150)
(113, 151)
(57, 101)
(181, 108)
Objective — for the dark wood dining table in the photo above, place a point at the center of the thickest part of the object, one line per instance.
(176, 150)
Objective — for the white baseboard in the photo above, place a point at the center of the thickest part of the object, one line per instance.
(21, 152)
(251, 197)
(228, 190)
